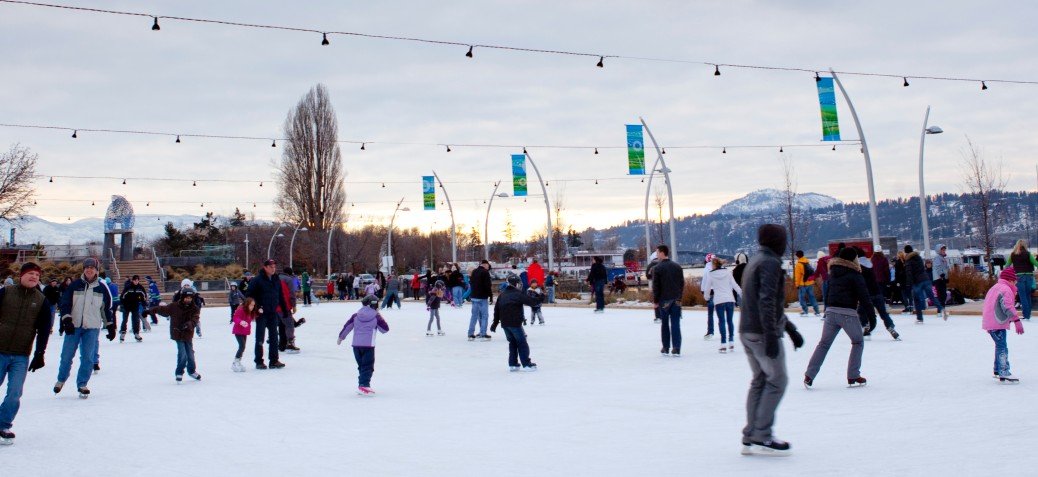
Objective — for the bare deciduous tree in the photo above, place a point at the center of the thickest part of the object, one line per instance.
(797, 220)
(509, 230)
(558, 238)
(310, 174)
(17, 168)
(983, 181)
(659, 199)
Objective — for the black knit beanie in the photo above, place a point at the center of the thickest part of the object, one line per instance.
(772, 236)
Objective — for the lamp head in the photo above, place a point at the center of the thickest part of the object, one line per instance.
(934, 130)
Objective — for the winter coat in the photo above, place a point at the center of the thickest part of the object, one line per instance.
(538, 294)
(416, 282)
(899, 273)
(182, 319)
(290, 283)
(1023, 262)
(266, 290)
(454, 279)
(846, 286)
(668, 281)
(536, 272)
(915, 269)
(53, 294)
(704, 283)
(999, 306)
(940, 265)
(737, 272)
(363, 325)
(724, 286)
(525, 278)
(508, 310)
(597, 273)
(479, 281)
(341, 283)
(433, 298)
(329, 288)
(549, 281)
(372, 288)
(25, 315)
(133, 296)
(305, 282)
(153, 292)
(881, 269)
(393, 286)
(868, 276)
(799, 279)
(764, 295)
(242, 322)
(89, 304)
(357, 282)
(235, 297)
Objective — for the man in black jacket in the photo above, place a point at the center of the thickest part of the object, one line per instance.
(508, 312)
(133, 297)
(922, 286)
(265, 288)
(25, 317)
(761, 322)
(482, 291)
(668, 283)
(845, 293)
(597, 279)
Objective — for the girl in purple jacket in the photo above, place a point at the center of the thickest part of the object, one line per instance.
(363, 324)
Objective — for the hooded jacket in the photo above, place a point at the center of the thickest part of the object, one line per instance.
(183, 317)
(88, 303)
(915, 269)
(846, 287)
(508, 310)
(242, 322)
(536, 272)
(479, 281)
(764, 295)
(134, 296)
(940, 264)
(363, 324)
(798, 274)
(999, 309)
(724, 286)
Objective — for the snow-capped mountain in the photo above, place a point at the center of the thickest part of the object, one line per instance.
(32, 229)
(773, 200)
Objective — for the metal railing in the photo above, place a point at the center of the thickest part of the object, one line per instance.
(113, 263)
(158, 263)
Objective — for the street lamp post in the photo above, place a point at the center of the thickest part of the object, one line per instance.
(547, 208)
(272, 236)
(670, 189)
(648, 189)
(922, 189)
(486, 223)
(292, 242)
(246, 251)
(454, 238)
(868, 163)
(389, 238)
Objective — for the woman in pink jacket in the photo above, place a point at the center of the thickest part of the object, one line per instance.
(999, 310)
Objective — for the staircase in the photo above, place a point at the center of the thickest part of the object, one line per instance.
(128, 268)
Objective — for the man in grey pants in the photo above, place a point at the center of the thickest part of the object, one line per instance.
(761, 323)
(845, 293)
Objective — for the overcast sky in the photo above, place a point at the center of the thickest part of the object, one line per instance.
(102, 71)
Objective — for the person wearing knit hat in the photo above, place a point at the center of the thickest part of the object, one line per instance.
(999, 311)
(86, 309)
(25, 318)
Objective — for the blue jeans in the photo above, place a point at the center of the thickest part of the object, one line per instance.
(1001, 353)
(710, 316)
(518, 348)
(458, 293)
(13, 367)
(599, 287)
(480, 313)
(725, 312)
(86, 341)
(670, 324)
(1024, 288)
(391, 297)
(807, 296)
(365, 357)
(921, 291)
(185, 357)
(551, 293)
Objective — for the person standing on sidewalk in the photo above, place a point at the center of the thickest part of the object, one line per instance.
(847, 291)
(86, 308)
(761, 325)
(26, 316)
(482, 292)
(597, 279)
(1024, 263)
(668, 283)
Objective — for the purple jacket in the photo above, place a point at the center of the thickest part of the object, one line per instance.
(364, 323)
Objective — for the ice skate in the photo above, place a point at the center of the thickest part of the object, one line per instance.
(856, 382)
(179, 378)
(237, 367)
(531, 368)
(122, 336)
(260, 365)
(1008, 379)
(472, 337)
(803, 313)
(708, 336)
(365, 391)
(731, 348)
(429, 334)
(513, 369)
(484, 338)
(138, 337)
(277, 365)
(918, 322)
(808, 382)
(441, 333)
(196, 376)
(770, 447)
(97, 368)
(944, 314)
(665, 351)
(894, 334)
(723, 349)
(58, 385)
(6, 437)
(675, 352)
(84, 392)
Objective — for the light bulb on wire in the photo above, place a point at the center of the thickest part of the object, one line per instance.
(155, 26)
(324, 39)
(601, 60)
(469, 54)
(717, 70)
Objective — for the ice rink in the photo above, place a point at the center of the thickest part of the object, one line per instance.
(604, 402)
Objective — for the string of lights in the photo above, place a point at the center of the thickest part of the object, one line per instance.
(471, 47)
(723, 148)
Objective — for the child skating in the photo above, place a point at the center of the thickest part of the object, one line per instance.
(183, 318)
(535, 291)
(363, 324)
(242, 328)
(999, 310)
(432, 303)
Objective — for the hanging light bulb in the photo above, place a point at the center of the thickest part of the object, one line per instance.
(178, 139)
(92, 203)
(905, 84)
(75, 133)
(664, 150)
(273, 143)
(194, 183)
(448, 148)
(51, 179)
(253, 205)
(596, 181)
(155, 26)
(545, 183)
(203, 204)
(261, 183)
(601, 60)
(834, 147)
(469, 54)
(362, 145)
(383, 185)
(717, 70)
(324, 39)
(724, 150)
(148, 204)
(124, 181)
(983, 86)
(524, 149)
(352, 204)
(780, 149)
(596, 150)
(34, 202)
(817, 78)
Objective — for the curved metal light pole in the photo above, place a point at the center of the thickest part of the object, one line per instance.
(648, 188)
(272, 236)
(454, 237)
(922, 189)
(486, 222)
(389, 239)
(547, 208)
(670, 189)
(291, 243)
(868, 163)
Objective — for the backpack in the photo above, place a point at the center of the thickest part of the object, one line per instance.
(809, 271)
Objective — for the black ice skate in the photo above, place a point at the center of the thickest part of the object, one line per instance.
(856, 382)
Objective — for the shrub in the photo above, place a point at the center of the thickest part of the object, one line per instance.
(968, 281)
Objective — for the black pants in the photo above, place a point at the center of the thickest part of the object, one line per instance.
(241, 345)
(136, 320)
(942, 290)
(365, 365)
(306, 297)
(267, 323)
(233, 309)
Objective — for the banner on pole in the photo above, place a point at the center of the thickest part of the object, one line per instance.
(519, 175)
(827, 100)
(429, 192)
(635, 150)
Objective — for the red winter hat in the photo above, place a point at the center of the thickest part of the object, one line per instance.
(1008, 274)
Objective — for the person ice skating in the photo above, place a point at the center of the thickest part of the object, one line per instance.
(306, 286)
(363, 324)
(999, 311)
(392, 293)
(508, 312)
(846, 292)
(242, 321)
(456, 283)
(86, 308)
(597, 278)
(922, 286)
(549, 286)
(803, 279)
(235, 299)
(183, 317)
(941, 272)
(416, 286)
(432, 303)
(904, 285)
(535, 311)
(133, 298)
(265, 288)
(26, 317)
(482, 292)
(287, 323)
(867, 314)
(724, 288)
(761, 323)
(1024, 264)
(668, 283)
(704, 286)
(154, 297)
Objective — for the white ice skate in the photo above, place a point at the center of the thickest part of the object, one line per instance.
(429, 334)
(237, 367)
(440, 333)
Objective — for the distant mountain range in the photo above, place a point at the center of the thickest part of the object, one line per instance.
(32, 229)
(773, 200)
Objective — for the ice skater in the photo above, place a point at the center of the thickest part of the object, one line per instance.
(242, 328)
(846, 291)
(363, 324)
(26, 317)
(535, 311)
(183, 318)
(723, 287)
(234, 298)
(86, 309)
(432, 303)
(508, 312)
(999, 310)
(668, 282)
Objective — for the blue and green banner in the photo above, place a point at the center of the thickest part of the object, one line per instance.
(429, 192)
(635, 150)
(519, 175)
(827, 99)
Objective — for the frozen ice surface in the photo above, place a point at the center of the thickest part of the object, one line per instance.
(604, 402)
